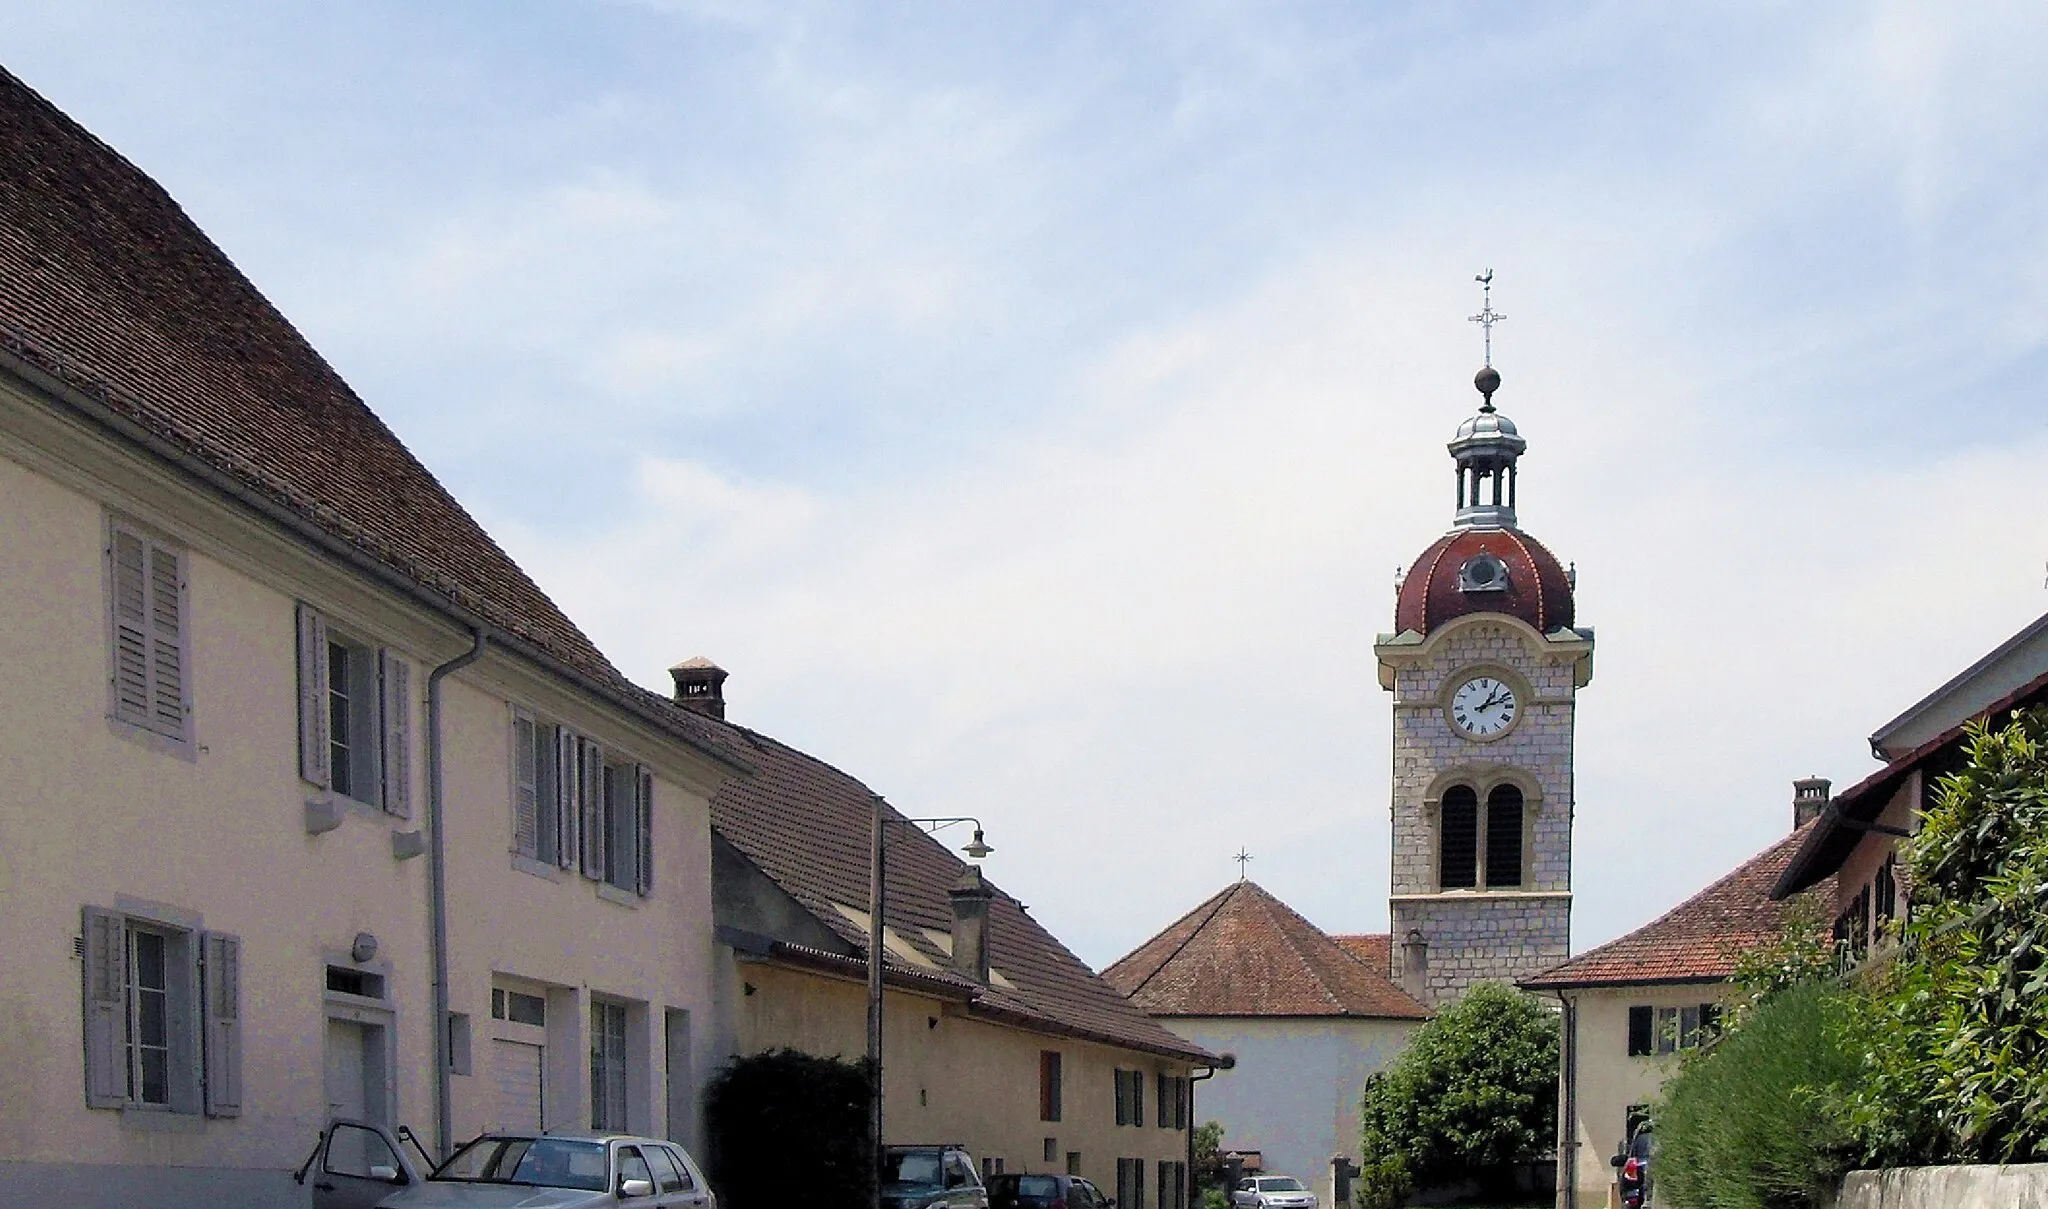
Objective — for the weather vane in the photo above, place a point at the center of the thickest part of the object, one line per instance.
(1487, 316)
(1241, 857)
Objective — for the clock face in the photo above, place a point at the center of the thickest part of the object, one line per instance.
(1483, 707)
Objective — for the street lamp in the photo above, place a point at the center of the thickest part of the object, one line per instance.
(975, 848)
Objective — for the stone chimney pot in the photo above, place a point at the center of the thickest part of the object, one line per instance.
(1809, 798)
(971, 896)
(700, 686)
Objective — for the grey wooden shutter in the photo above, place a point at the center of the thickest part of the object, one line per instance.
(394, 683)
(643, 828)
(221, 1015)
(167, 662)
(313, 738)
(525, 777)
(591, 821)
(106, 1059)
(566, 799)
(128, 564)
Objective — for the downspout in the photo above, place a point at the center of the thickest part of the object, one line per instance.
(1225, 1062)
(437, 892)
(1568, 1106)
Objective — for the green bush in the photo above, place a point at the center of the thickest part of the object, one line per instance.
(1760, 1120)
(1383, 1184)
(1961, 1063)
(1475, 1090)
(786, 1120)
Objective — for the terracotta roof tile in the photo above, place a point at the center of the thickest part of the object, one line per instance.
(1375, 949)
(1246, 953)
(807, 825)
(1700, 939)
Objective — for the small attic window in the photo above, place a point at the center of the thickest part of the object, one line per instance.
(1483, 572)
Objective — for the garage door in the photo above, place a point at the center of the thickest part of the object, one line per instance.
(516, 1067)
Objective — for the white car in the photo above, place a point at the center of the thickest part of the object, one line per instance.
(1272, 1192)
(361, 1166)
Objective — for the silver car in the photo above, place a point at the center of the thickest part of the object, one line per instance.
(1272, 1192)
(362, 1166)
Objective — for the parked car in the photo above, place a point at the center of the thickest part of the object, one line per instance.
(935, 1176)
(1633, 1162)
(1018, 1191)
(1272, 1192)
(362, 1166)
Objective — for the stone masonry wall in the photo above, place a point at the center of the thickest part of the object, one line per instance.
(1474, 935)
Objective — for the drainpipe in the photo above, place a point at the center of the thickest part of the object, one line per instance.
(437, 892)
(1568, 1105)
(1224, 1062)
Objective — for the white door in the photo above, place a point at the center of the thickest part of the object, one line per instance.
(516, 1067)
(345, 1097)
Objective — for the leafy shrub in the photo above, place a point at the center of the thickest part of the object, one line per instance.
(1383, 1184)
(1760, 1120)
(785, 1120)
(1475, 1090)
(1961, 1067)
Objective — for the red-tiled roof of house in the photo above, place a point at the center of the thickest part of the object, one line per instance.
(807, 825)
(1375, 949)
(1699, 940)
(1246, 953)
(110, 292)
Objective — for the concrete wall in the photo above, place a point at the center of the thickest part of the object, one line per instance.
(2024, 1186)
(1609, 1080)
(1475, 935)
(215, 836)
(949, 1077)
(1295, 1091)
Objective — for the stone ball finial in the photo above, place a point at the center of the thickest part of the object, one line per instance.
(1487, 381)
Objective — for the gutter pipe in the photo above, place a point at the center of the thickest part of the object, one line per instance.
(1224, 1062)
(437, 893)
(1568, 1106)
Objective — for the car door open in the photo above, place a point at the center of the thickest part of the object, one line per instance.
(356, 1165)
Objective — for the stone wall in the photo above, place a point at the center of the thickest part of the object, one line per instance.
(2023, 1186)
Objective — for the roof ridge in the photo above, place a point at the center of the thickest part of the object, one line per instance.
(1215, 904)
(1542, 615)
(1287, 937)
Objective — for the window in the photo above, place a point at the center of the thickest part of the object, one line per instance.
(151, 687)
(355, 716)
(1885, 892)
(668, 1176)
(633, 1166)
(1172, 1106)
(1052, 1150)
(1049, 1085)
(162, 1016)
(1458, 859)
(608, 1066)
(1638, 1115)
(1173, 1185)
(1130, 1097)
(1667, 1030)
(573, 807)
(1503, 837)
(519, 1008)
(1130, 1183)
(991, 1167)
(1073, 1162)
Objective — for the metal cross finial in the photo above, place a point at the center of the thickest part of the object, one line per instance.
(1241, 858)
(1487, 316)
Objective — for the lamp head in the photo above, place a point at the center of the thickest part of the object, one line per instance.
(975, 848)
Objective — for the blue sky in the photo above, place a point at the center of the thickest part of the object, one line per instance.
(1030, 405)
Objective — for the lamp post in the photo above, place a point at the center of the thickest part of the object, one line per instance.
(877, 901)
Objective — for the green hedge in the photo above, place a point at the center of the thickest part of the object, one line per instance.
(785, 1124)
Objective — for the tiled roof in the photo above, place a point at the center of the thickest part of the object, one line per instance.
(1246, 953)
(108, 287)
(1539, 591)
(808, 825)
(1700, 939)
(1375, 949)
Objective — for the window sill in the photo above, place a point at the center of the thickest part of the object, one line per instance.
(161, 1120)
(624, 898)
(156, 741)
(540, 869)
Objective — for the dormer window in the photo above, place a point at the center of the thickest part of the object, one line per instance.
(1483, 572)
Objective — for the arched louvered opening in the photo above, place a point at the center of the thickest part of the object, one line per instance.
(1504, 837)
(1458, 839)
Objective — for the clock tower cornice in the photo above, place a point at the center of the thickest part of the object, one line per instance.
(1409, 649)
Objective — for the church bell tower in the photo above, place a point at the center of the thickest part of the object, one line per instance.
(1485, 665)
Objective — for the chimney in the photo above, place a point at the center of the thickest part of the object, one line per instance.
(1809, 798)
(1415, 965)
(700, 686)
(971, 896)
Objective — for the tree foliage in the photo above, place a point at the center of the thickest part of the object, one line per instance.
(786, 1119)
(1760, 1120)
(1961, 1067)
(1475, 1089)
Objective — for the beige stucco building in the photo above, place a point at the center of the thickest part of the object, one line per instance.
(244, 631)
(995, 1036)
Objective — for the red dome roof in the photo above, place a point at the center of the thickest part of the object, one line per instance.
(1537, 589)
